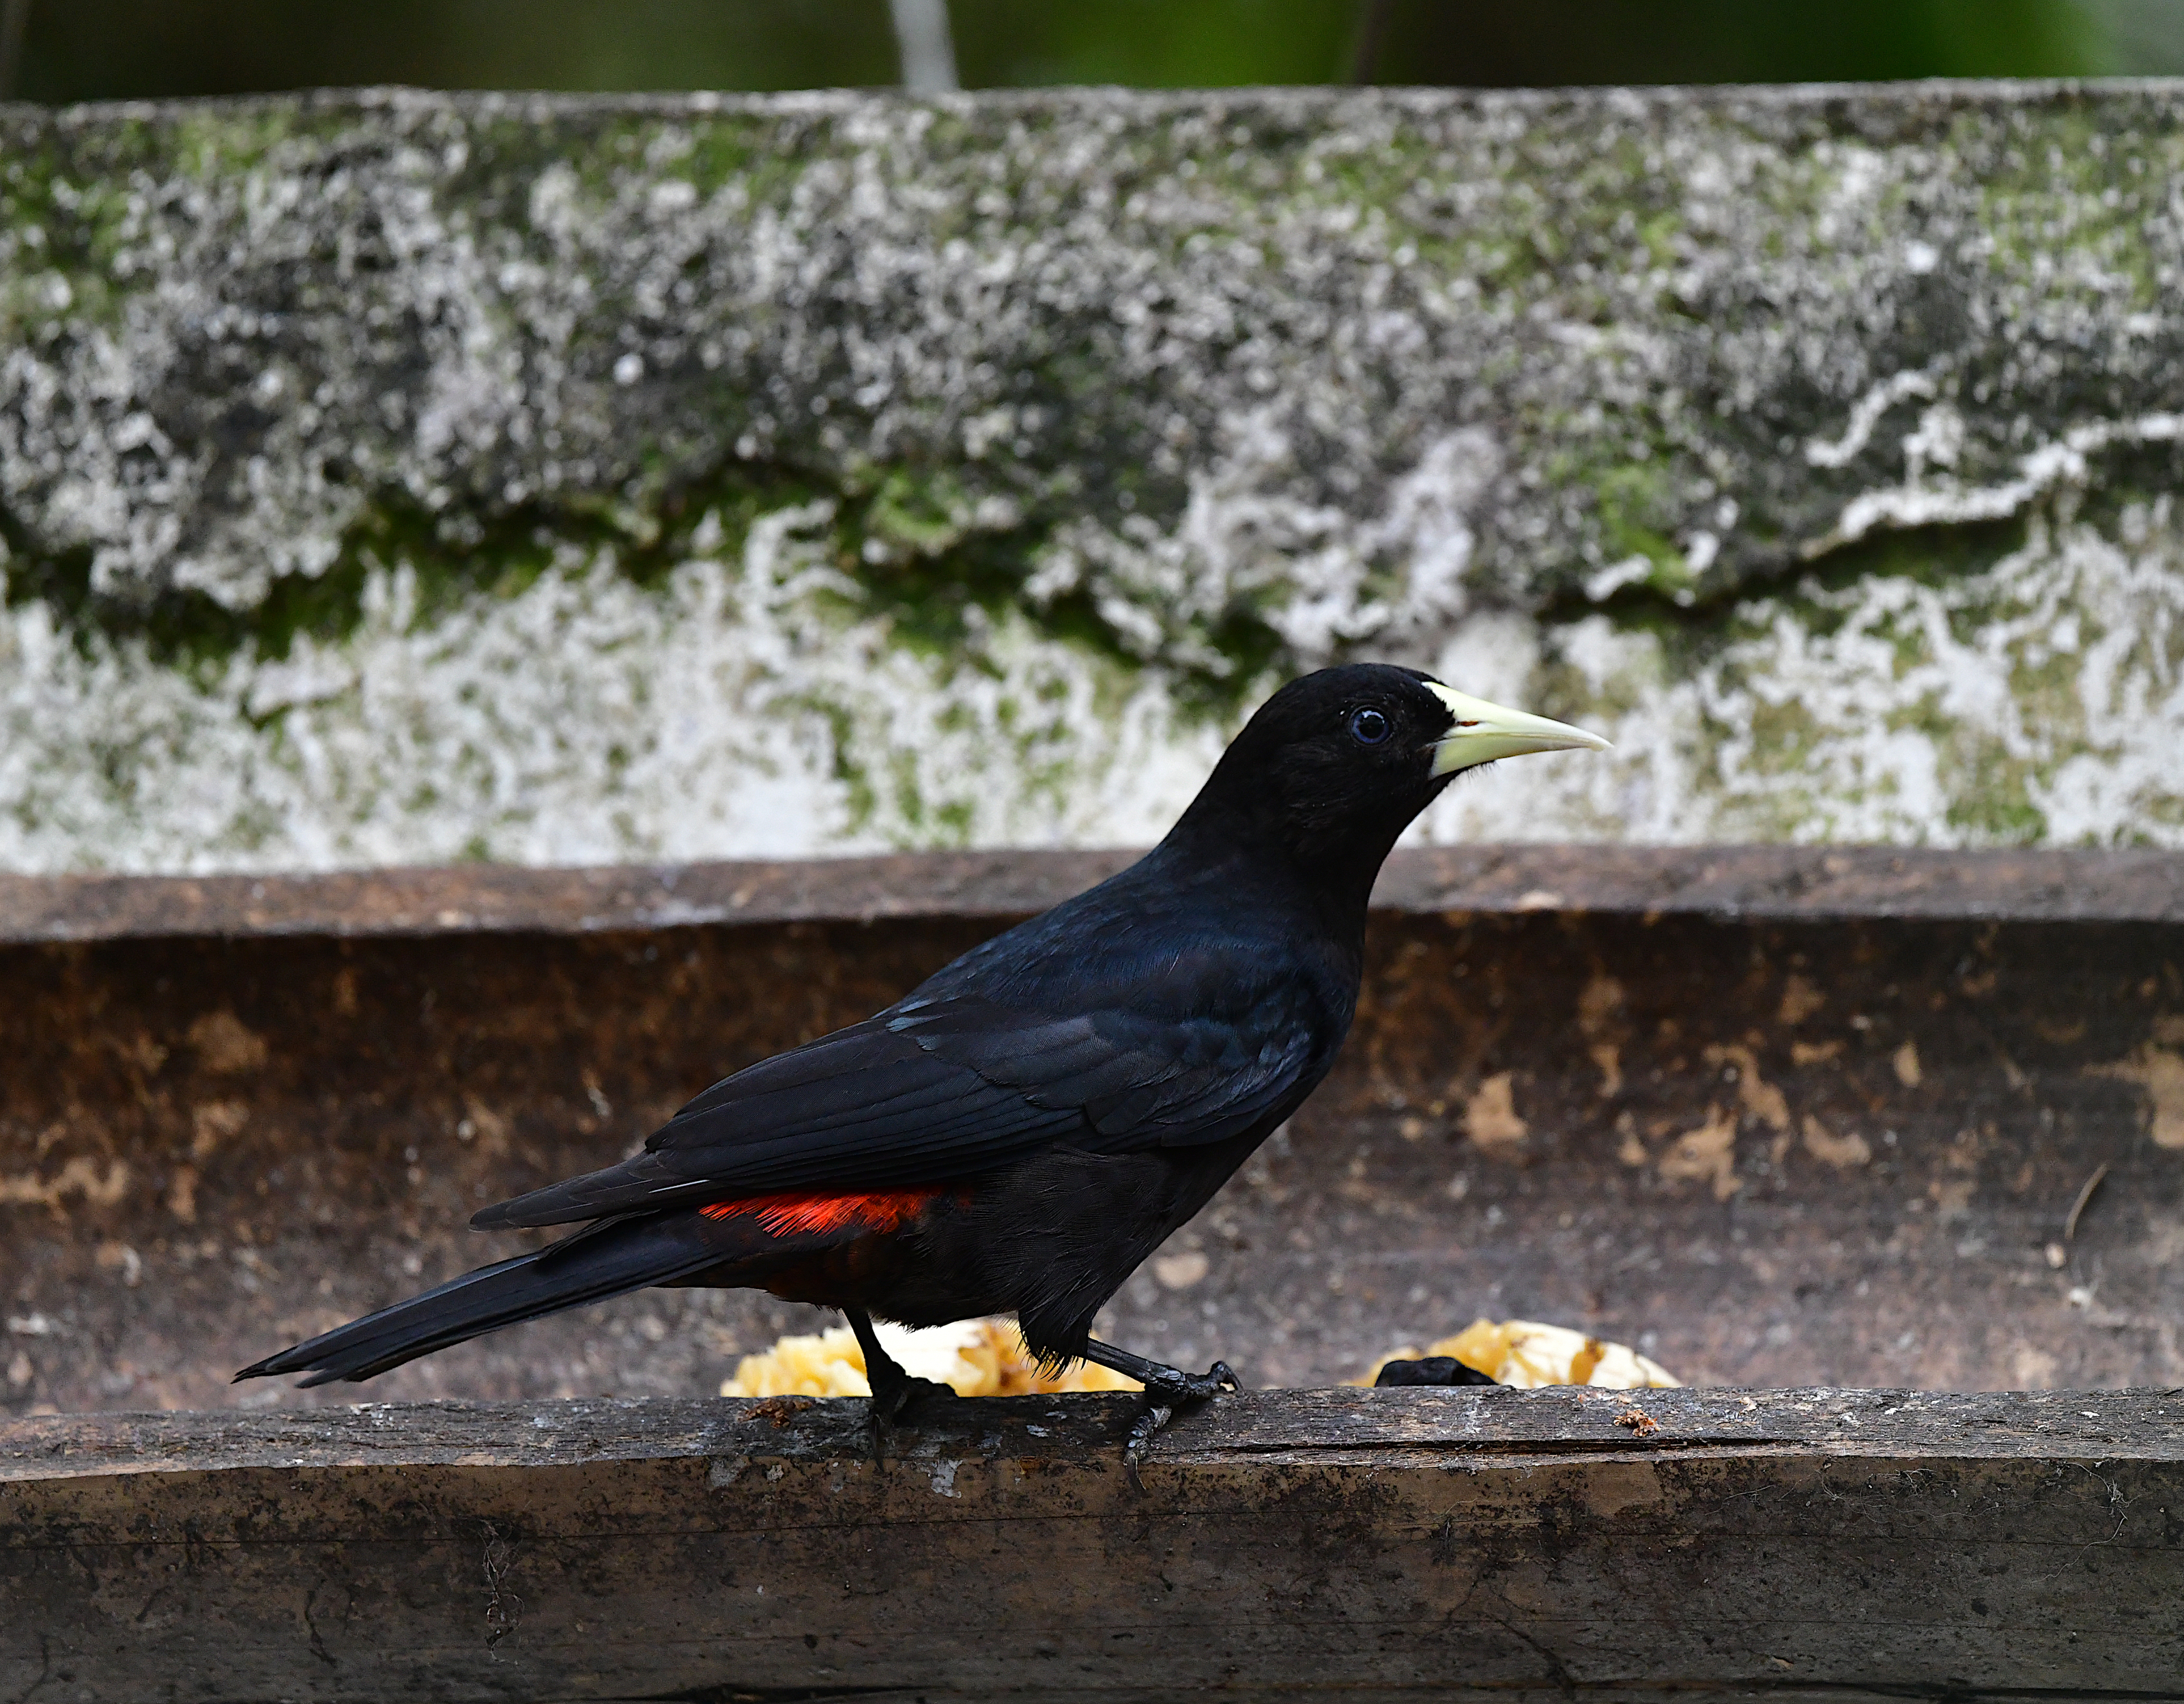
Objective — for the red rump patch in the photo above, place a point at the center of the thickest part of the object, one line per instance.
(785, 1214)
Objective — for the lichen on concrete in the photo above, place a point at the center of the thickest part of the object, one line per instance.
(396, 477)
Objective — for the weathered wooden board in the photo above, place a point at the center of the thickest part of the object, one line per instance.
(1363, 1543)
(1782, 1116)
(1808, 883)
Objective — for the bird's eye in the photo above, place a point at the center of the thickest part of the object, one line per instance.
(1369, 726)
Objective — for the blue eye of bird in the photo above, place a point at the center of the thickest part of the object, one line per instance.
(1369, 726)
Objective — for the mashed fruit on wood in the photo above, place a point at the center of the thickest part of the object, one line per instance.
(988, 1358)
(973, 1357)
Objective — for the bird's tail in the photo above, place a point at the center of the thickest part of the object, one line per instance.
(605, 1260)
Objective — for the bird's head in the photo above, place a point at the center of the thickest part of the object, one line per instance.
(1334, 766)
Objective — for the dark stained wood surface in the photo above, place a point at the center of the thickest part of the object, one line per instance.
(1807, 882)
(1769, 1145)
(1303, 1544)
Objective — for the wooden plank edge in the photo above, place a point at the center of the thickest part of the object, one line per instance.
(1254, 1426)
(1748, 883)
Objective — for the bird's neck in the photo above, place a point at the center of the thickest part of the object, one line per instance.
(1329, 880)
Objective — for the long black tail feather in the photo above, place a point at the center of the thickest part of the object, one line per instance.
(597, 1262)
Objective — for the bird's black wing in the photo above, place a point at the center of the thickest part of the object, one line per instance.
(863, 1108)
(1138, 1079)
(948, 1084)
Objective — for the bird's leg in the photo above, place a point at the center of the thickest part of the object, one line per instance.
(894, 1390)
(1168, 1389)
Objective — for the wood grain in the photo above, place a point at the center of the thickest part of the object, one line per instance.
(1306, 1543)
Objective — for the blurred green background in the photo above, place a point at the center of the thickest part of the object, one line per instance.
(68, 50)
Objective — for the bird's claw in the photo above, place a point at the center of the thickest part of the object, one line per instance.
(1217, 1380)
(1165, 1398)
(1150, 1418)
(901, 1397)
(897, 1399)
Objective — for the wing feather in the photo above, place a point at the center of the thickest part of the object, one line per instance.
(1152, 1041)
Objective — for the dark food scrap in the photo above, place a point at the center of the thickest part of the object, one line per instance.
(1432, 1369)
(1528, 1356)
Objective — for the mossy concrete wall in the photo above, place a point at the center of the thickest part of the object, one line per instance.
(396, 478)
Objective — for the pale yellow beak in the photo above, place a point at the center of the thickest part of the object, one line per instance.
(1484, 732)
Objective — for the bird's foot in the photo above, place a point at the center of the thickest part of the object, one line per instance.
(895, 1392)
(892, 1399)
(1168, 1393)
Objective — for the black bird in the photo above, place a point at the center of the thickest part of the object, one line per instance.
(1022, 1129)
